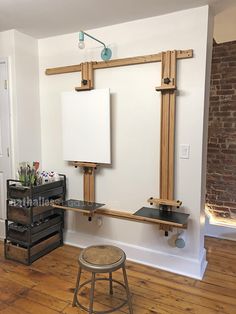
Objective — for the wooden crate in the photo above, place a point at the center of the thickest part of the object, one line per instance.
(28, 235)
(29, 215)
(44, 191)
(28, 255)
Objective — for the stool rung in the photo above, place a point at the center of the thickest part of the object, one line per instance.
(101, 312)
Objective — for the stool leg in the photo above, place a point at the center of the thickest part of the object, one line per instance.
(77, 287)
(92, 294)
(127, 290)
(110, 281)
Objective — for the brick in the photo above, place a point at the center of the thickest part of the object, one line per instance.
(214, 104)
(228, 80)
(214, 98)
(229, 151)
(215, 82)
(226, 98)
(225, 92)
(228, 125)
(216, 76)
(228, 107)
(230, 204)
(223, 114)
(212, 140)
(221, 159)
(232, 146)
(229, 59)
(229, 119)
(226, 86)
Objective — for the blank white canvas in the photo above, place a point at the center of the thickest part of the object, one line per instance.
(86, 126)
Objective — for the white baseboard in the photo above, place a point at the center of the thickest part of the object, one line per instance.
(2, 229)
(176, 264)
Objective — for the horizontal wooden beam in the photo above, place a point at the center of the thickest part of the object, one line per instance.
(63, 70)
(74, 209)
(129, 216)
(181, 54)
(123, 215)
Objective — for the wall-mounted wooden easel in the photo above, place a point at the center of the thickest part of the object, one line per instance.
(168, 89)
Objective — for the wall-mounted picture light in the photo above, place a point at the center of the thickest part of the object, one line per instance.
(106, 52)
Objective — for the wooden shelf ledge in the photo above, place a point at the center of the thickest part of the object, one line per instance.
(79, 206)
(144, 215)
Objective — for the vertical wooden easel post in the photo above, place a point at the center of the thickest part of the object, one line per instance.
(89, 181)
(87, 83)
(168, 91)
(89, 169)
(168, 101)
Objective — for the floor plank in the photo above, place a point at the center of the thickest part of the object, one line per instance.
(46, 287)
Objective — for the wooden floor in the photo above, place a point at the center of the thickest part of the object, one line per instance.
(46, 287)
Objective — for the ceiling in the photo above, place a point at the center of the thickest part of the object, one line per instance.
(225, 25)
(45, 18)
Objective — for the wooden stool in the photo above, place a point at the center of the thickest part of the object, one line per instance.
(102, 259)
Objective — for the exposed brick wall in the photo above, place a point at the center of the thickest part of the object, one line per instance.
(221, 163)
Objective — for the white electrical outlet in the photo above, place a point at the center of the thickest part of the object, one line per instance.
(99, 221)
(184, 151)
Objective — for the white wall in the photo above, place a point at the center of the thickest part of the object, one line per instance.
(22, 53)
(134, 175)
(27, 97)
(7, 50)
(220, 230)
(205, 129)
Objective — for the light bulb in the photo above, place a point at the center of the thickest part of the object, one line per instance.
(81, 44)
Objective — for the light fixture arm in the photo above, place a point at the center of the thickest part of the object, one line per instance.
(99, 41)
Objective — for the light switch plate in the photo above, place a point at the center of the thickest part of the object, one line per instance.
(184, 151)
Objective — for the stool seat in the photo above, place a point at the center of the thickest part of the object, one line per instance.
(102, 259)
(102, 255)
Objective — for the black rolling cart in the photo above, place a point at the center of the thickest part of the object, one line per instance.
(33, 226)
